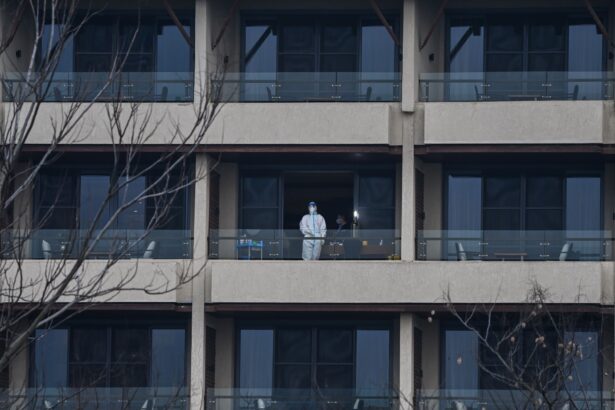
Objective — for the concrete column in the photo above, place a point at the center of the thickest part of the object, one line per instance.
(198, 336)
(409, 39)
(408, 222)
(406, 360)
(202, 47)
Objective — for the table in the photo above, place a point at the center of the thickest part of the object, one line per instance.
(510, 255)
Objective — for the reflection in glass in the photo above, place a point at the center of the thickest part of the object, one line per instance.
(168, 357)
(372, 362)
(256, 360)
(51, 358)
(460, 360)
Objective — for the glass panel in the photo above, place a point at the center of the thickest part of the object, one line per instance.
(136, 35)
(130, 345)
(172, 51)
(297, 37)
(51, 358)
(169, 358)
(260, 48)
(501, 219)
(504, 36)
(88, 345)
(334, 376)
(544, 191)
(292, 376)
(502, 191)
(335, 345)
(255, 359)
(293, 345)
(377, 49)
(96, 35)
(464, 202)
(544, 219)
(259, 219)
(94, 194)
(338, 37)
(51, 36)
(372, 362)
(296, 63)
(583, 197)
(584, 375)
(547, 62)
(128, 375)
(466, 46)
(260, 192)
(376, 191)
(585, 46)
(133, 217)
(504, 63)
(547, 36)
(344, 63)
(460, 360)
(88, 375)
(374, 218)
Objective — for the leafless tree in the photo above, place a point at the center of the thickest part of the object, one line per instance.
(533, 357)
(66, 282)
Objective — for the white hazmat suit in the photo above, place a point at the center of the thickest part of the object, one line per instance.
(312, 225)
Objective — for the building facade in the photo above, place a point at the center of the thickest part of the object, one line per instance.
(460, 152)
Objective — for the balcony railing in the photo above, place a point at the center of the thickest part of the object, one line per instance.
(510, 400)
(301, 399)
(462, 245)
(311, 87)
(255, 244)
(128, 398)
(517, 86)
(89, 86)
(114, 243)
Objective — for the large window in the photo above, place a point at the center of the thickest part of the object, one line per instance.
(319, 56)
(114, 356)
(516, 42)
(301, 361)
(538, 214)
(71, 201)
(469, 365)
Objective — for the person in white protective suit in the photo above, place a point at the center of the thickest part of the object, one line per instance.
(312, 225)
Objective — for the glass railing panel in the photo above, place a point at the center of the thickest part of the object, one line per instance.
(483, 399)
(310, 87)
(113, 243)
(516, 86)
(267, 244)
(503, 245)
(89, 86)
(120, 398)
(301, 399)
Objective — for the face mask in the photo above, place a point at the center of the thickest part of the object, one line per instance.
(312, 209)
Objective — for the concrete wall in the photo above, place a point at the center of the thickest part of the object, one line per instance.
(142, 281)
(406, 282)
(517, 122)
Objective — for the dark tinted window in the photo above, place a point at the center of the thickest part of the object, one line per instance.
(168, 357)
(335, 346)
(502, 191)
(51, 358)
(504, 35)
(293, 345)
(544, 191)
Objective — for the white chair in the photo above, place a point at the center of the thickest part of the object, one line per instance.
(149, 251)
(461, 253)
(145, 405)
(566, 405)
(358, 405)
(260, 404)
(563, 255)
(46, 246)
(459, 405)
(47, 403)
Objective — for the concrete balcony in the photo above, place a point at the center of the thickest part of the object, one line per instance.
(396, 282)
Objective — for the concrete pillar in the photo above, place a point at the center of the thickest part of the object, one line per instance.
(406, 360)
(201, 49)
(408, 222)
(18, 377)
(409, 39)
(200, 251)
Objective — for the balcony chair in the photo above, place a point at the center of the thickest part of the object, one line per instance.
(46, 247)
(145, 405)
(57, 94)
(566, 250)
(368, 94)
(47, 403)
(461, 253)
(358, 404)
(164, 94)
(259, 404)
(459, 405)
(149, 251)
